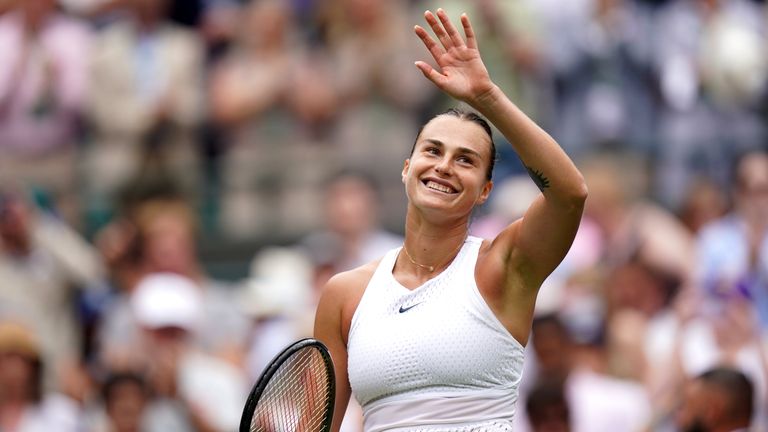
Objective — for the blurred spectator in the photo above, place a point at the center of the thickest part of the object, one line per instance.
(712, 69)
(632, 226)
(169, 311)
(145, 103)
(352, 235)
(703, 203)
(125, 398)
(599, 54)
(273, 96)
(637, 296)
(25, 405)
(639, 287)
(732, 252)
(596, 400)
(218, 25)
(279, 298)
(380, 105)
(553, 349)
(43, 85)
(165, 231)
(119, 246)
(547, 408)
(42, 264)
(127, 404)
(688, 342)
(718, 400)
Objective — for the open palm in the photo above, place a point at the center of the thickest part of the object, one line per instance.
(462, 73)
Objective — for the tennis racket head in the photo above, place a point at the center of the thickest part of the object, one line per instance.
(295, 393)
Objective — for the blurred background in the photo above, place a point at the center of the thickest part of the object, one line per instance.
(178, 179)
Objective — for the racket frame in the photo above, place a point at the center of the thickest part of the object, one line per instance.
(266, 376)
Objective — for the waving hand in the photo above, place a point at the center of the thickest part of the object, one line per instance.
(461, 73)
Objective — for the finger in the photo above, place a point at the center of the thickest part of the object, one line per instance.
(450, 28)
(433, 47)
(469, 32)
(431, 74)
(438, 30)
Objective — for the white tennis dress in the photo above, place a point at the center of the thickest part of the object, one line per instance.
(434, 358)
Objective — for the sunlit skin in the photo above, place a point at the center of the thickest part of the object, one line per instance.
(445, 178)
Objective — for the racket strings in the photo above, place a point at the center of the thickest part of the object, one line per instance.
(297, 396)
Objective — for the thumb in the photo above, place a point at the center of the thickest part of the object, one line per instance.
(430, 73)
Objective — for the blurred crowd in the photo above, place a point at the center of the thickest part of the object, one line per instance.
(135, 133)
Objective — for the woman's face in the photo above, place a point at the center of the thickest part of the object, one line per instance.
(447, 169)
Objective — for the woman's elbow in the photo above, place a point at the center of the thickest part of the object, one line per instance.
(576, 195)
(581, 192)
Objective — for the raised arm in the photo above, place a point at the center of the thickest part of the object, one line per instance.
(541, 239)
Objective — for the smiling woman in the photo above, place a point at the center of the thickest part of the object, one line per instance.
(432, 338)
(474, 118)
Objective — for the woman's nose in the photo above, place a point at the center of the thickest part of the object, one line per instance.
(444, 166)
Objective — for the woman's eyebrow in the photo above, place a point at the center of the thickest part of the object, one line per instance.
(461, 149)
(436, 142)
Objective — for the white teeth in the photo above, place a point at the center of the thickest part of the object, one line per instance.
(439, 187)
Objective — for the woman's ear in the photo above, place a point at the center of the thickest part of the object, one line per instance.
(406, 167)
(485, 193)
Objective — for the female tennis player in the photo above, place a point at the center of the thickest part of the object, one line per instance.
(431, 336)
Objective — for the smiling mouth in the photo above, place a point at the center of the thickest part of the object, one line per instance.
(439, 187)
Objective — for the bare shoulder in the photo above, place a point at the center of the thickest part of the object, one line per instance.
(350, 283)
(341, 295)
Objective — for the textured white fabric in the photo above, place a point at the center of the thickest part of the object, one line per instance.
(434, 357)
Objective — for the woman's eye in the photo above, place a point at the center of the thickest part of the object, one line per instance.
(432, 150)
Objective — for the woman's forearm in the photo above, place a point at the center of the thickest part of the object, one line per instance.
(547, 163)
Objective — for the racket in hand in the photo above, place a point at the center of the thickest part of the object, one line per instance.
(295, 393)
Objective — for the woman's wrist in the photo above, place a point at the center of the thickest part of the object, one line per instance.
(487, 99)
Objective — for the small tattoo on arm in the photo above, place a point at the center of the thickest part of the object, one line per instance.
(538, 178)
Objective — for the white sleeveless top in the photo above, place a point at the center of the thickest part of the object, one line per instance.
(434, 358)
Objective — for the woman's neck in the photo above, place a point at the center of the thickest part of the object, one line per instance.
(432, 251)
